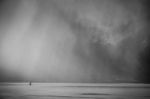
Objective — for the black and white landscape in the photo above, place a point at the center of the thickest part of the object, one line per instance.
(75, 41)
(74, 91)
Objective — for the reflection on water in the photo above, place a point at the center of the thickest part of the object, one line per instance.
(74, 91)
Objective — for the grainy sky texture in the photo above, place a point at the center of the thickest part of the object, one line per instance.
(74, 40)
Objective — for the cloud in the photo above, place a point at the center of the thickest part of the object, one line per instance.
(87, 43)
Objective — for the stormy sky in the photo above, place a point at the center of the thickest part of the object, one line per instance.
(74, 41)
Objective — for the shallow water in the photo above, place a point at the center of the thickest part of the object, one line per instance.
(74, 91)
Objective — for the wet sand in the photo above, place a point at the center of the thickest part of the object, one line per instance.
(74, 91)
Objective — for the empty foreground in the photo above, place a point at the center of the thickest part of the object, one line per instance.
(74, 91)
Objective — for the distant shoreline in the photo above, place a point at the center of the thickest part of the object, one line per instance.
(78, 84)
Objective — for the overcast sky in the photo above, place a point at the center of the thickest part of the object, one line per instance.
(74, 40)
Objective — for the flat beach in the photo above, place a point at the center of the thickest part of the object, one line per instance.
(74, 91)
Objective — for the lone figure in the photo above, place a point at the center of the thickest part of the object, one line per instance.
(30, 83)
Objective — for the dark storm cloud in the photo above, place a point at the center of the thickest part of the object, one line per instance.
(72, 40)
(97, 48)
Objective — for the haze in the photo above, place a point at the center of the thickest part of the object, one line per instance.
(72, 40)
